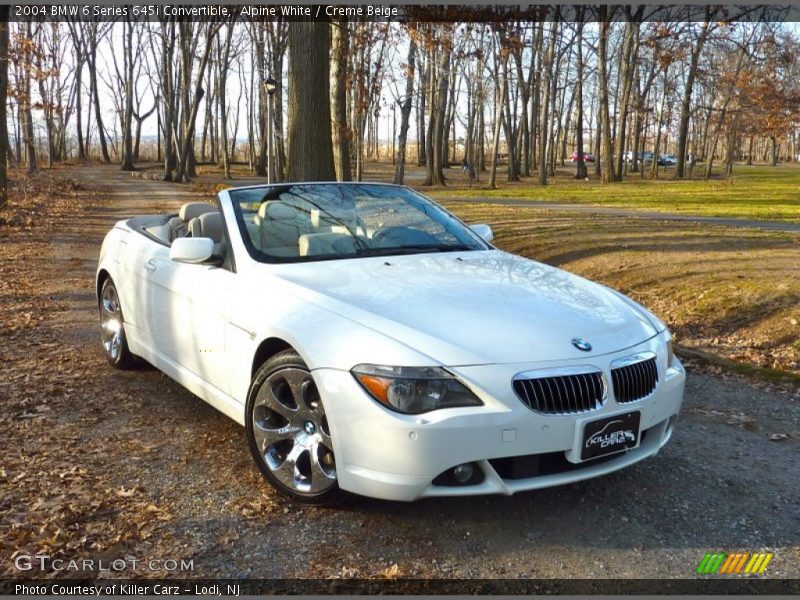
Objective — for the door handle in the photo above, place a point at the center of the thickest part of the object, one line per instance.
(150, 266)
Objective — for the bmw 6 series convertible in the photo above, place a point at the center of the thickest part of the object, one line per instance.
(370, 342)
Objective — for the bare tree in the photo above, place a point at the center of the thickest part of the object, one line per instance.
(405, 108)
(605, 14)
(580, 170)
(4, 11)
(340, 49)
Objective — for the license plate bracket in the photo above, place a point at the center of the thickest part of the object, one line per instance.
(610, 435)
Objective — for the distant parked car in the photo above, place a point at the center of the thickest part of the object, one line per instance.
(644, 157)
(667, 160)
(587, 157)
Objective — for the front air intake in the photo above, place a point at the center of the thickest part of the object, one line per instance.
(562, 394)
(634, 381)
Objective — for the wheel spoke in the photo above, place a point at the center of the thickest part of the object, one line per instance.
(323, 469)
(287, 471)
(266, 437)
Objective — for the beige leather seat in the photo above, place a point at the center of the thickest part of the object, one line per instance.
(321, 244)
(326, 224)
(209, 225)
(281, 225)
(179, 225)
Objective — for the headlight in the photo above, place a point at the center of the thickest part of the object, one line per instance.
(414, 390)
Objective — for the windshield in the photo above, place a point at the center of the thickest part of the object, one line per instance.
(295, 222)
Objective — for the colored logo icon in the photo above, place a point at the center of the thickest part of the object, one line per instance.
(737, 563)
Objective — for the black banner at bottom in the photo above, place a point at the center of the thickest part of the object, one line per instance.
(249, 587)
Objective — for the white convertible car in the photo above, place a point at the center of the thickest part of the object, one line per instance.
(370, 342)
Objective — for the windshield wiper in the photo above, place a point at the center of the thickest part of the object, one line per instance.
(412, 249)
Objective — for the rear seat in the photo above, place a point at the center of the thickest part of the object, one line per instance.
(179, 226)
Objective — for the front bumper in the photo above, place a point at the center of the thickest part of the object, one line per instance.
(382, 454)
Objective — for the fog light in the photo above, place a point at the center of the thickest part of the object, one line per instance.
(460, 475)
(463, 473)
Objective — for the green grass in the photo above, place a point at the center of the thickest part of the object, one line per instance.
(754, 192)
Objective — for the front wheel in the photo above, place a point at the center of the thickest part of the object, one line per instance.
(288, 432)
(112, 326)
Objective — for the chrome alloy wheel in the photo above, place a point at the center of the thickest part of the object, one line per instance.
(291, 432)
(111, 323)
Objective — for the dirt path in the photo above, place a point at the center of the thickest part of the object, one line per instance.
(129, 465)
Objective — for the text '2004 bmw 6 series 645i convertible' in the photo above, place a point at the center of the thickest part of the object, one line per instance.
(370, 342)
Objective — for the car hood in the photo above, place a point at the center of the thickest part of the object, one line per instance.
(480, 307)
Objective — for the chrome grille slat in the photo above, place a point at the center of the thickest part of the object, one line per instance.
(573, 407)
(561, 394)
(634, 381)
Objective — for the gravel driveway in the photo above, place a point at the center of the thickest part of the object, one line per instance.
(107, 464)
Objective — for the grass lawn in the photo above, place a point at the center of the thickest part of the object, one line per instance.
(754, 192)
(731, 291)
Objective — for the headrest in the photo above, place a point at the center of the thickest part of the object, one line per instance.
(277, 211)
(208, 225)
(191, 210)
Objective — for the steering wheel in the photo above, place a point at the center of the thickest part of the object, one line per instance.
(399, 235)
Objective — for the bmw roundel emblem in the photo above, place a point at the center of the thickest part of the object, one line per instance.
(581, 344)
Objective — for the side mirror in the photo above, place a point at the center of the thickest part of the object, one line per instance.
(191, 250)
(484, 231)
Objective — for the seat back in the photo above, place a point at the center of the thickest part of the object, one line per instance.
(179, 226)
(281, 225)
(321, 244)
(209, 225)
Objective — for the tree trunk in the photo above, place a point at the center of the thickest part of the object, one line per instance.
(77, 45)
(544, 101)
(222, 84)
(629, 52)
(26, 110)
(127, 124)
(184, 170)
(4, 10)
(607, 154)
(341, 131)
(405, 113)
(508, 127)
(169, 100)
(683, 125)
(98, 115)
(436, 170)
(421, 107)
(580, 170)
(500, 100)
(773, 154)
(310, 146)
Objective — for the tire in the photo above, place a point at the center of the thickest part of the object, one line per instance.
(112, 328)
(288, 434)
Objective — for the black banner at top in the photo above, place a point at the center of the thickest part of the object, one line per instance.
(371, 12)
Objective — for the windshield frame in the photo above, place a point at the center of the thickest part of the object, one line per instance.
(262, 257)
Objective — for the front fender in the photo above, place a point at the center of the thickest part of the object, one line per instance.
(323, 338)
